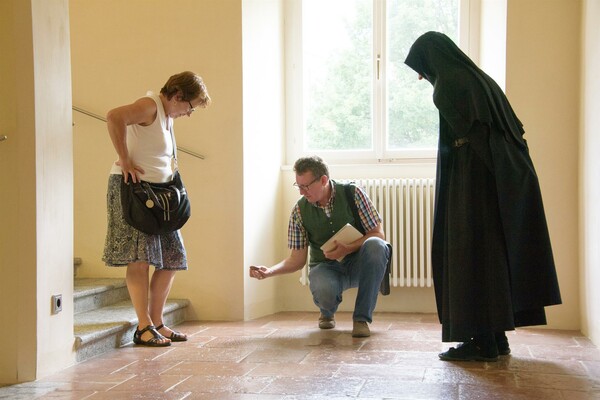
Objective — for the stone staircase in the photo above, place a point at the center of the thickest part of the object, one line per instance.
(105, 318)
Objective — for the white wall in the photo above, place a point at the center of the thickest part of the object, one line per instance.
(264, 121)
(590, 176)
(54, 183)
(492, 49)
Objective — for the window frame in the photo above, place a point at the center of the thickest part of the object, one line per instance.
(468, 21)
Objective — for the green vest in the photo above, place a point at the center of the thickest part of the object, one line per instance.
(319, 227)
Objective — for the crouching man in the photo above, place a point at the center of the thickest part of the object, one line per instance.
(324, 208)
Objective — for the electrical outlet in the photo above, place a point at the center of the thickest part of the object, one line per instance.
(56, 303)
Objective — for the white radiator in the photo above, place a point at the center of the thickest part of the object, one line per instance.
(406, 207)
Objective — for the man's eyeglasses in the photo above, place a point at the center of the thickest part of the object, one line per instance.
(307, 186)
(192, 109)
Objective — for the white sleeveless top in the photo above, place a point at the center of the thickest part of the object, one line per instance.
(151, 147)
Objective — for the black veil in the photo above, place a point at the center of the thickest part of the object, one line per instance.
(462, 92)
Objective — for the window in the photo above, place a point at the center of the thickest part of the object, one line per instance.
(350, 96)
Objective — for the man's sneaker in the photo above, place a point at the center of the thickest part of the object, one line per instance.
(326, 322)
(361, 329)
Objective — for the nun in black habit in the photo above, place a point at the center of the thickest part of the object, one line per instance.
(493, 267)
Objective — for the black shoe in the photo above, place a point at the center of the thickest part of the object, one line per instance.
(502, 344)
(155, 341)
(468, 351)
(175, 336)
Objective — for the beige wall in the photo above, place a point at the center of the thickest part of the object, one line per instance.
(17, 260)
(239, 195)
(37, 222)
(120, 49)
(590, 176)
(542, 83)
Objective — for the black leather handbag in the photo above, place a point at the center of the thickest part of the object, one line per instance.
(156, 208)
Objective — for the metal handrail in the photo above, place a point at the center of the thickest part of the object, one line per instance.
(98, 117)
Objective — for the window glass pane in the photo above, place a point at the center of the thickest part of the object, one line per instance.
(412, 119)
(337, 63)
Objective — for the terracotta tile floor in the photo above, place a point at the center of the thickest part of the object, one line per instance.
(286, 356)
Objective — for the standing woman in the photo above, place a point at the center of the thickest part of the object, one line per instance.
(141, 135)
(493, 267)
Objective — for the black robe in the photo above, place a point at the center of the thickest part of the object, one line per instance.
(493, 267)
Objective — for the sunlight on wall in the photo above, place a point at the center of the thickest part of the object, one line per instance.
(264, 117)
(590, 165)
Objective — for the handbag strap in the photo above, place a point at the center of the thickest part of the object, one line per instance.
(174, 145)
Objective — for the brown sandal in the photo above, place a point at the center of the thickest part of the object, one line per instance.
(175, 336)
(153, 342)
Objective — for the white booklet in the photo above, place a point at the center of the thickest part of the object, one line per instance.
(346, 235)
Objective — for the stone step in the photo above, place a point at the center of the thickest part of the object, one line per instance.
(111, 327)
(93, 293)
(104, 317)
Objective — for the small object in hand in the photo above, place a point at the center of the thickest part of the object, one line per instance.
(257, 269)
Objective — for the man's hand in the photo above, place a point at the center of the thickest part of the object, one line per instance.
(293, 263)
(340, 250)
(259, 273)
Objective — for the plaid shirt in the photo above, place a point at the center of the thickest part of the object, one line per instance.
(369, 217)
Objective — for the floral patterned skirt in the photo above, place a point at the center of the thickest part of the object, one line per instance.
(125, 244)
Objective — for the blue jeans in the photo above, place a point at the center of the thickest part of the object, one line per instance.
(363, 269)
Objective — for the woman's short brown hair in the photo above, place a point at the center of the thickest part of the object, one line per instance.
(190, 85)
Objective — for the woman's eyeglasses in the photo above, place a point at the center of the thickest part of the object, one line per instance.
(192, 109)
